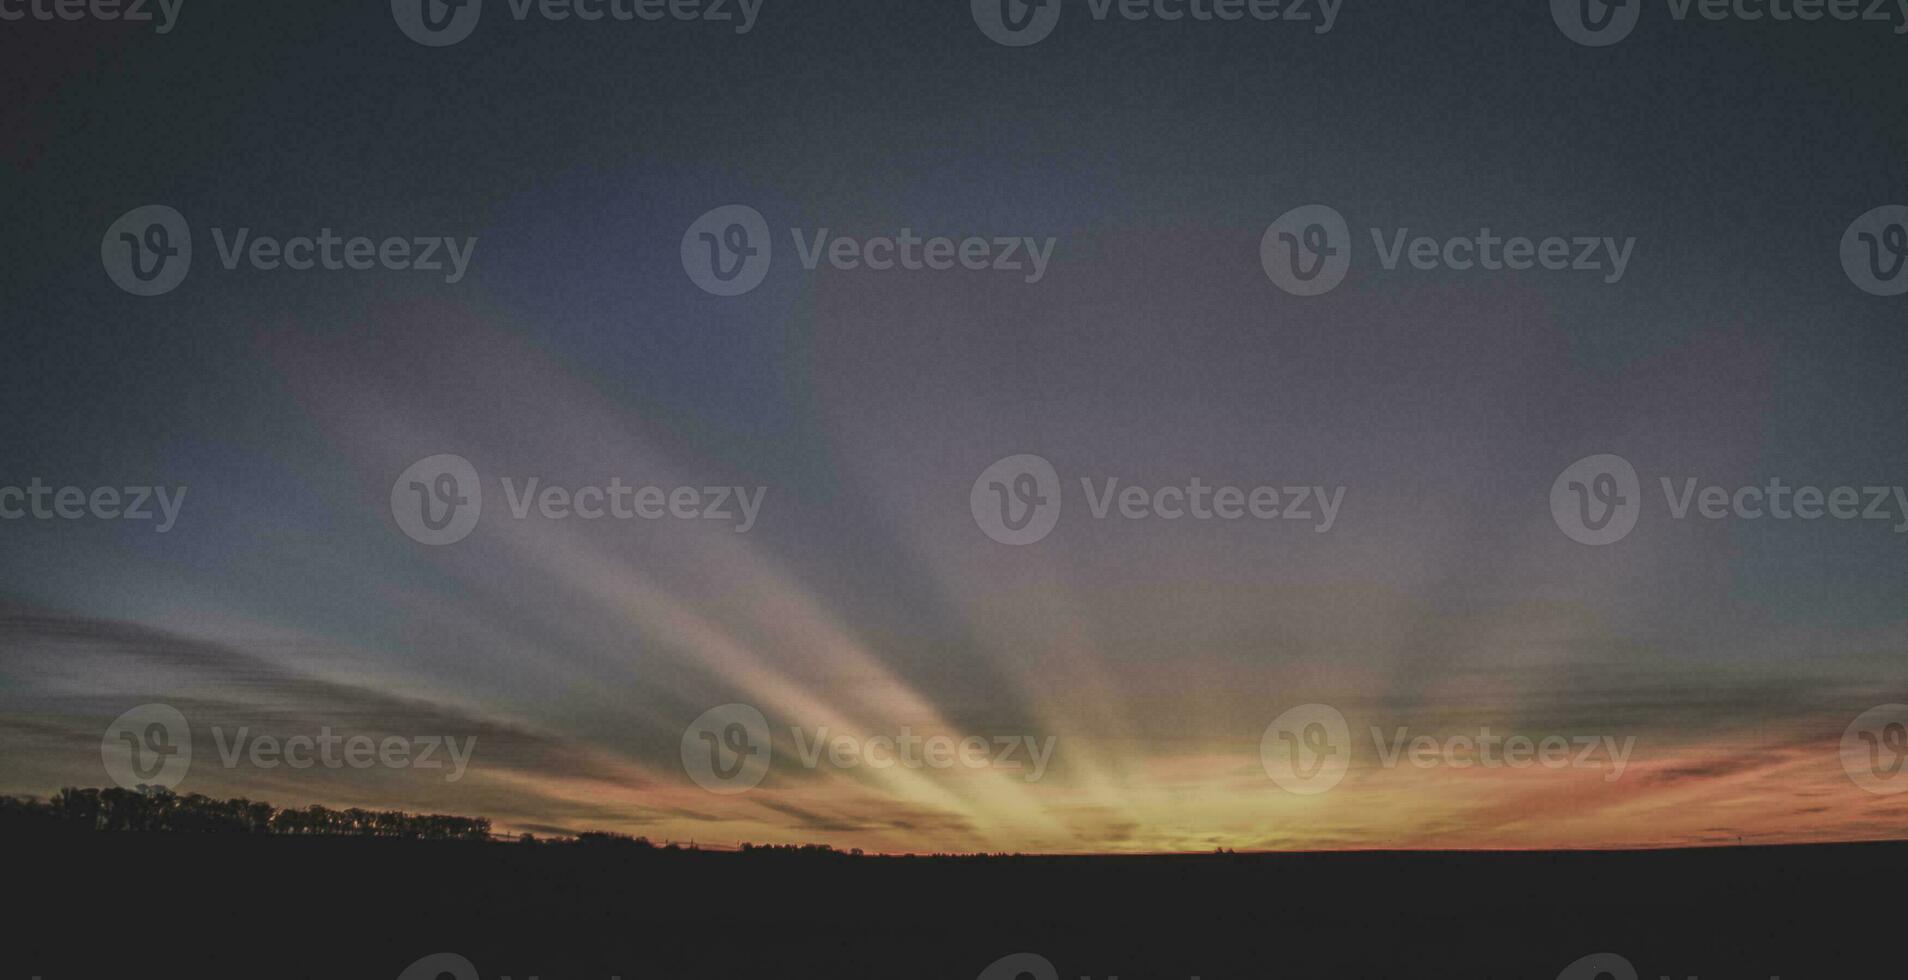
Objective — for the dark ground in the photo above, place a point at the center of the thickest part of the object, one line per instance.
(211, 906)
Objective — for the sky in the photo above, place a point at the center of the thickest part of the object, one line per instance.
(1710, 674)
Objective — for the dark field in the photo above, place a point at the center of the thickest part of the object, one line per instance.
(138, 905)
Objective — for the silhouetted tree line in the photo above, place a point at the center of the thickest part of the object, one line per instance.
(161, 810)
(155, 810)
(602, 837)
(801, 850)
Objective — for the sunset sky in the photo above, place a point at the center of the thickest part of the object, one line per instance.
(865, 599)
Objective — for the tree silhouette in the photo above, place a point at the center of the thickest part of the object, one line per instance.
(149, 809)
(156, 810)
